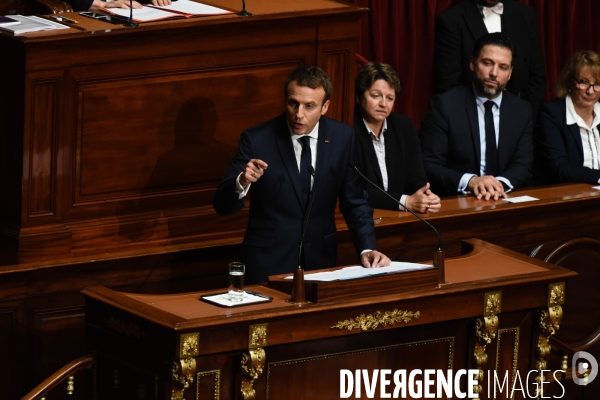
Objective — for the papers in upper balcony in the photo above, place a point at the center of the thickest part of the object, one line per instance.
(192, 8)
(31, 24)
(177, 9)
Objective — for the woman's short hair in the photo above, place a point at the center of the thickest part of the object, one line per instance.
(583, 59)
(372, 72)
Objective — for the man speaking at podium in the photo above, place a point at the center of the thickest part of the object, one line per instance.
(285, 161)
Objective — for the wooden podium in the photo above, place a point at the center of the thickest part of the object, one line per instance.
(497, 305)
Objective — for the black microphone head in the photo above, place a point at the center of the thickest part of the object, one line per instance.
(311, 170)
(352, 165)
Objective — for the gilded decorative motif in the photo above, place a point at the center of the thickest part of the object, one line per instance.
(257, 336)
(556, 294)
(373, 321)
(253, 363)
(217, 374)
(549, 324)
(189, 345)
(492, 303)
(70, 385)
(182, 375)
(515, 360)
(125, 328)
(485, 331)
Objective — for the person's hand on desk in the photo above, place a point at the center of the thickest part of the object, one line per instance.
(374, 259)
(253, 171)
(97, 5)
(161, 3)
(424, 201)
(486, 187)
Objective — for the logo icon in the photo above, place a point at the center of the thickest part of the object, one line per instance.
(581, 369)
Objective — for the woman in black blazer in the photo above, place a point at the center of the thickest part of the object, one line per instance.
(388, 142)
(568, 140)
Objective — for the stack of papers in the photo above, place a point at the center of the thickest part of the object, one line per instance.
(177, 9)
(31, 24)
(8, 21)
(358, 271)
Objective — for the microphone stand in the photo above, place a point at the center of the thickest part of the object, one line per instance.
(244, 13)
(130, 23)
(438, 254)
(298, 288)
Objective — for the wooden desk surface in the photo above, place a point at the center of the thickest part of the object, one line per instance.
(486, 267)
(260, 9)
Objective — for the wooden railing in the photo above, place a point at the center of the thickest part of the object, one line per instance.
(66, 373)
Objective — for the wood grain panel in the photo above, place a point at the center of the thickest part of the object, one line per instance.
(9, 322)
(41, 170)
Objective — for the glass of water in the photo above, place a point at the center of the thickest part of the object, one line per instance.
(236, 281)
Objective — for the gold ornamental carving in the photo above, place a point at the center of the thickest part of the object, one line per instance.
(189, 345)
(373, 321)
(485, 331)
(549, 324)
(556, 294)
(253, 363)
(257, 336)
(124, 328)
(492, 304)
(182, 375)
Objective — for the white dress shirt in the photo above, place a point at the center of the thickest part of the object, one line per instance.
(479, 100)
(492, 17)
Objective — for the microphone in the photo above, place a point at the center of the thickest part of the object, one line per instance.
(130, 23)
(438, 255)
(298, 290)
(244, 13)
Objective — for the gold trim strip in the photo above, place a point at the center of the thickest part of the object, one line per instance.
(217, 373)
(373, 321)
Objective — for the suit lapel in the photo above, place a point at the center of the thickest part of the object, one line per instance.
(471, 110)
(286, 152)
(574, 130)
(474, 20)
(366, 141)
(323, 150)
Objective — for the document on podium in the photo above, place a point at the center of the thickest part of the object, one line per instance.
(177, 9)
(358, 271)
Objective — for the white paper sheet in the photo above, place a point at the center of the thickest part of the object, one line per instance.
(357, 271)
(520, 199)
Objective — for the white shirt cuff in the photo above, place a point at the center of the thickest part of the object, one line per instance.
(503, 179)
(464, 181)
(240, 189)
(403, 201)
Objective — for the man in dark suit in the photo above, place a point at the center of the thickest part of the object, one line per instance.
(272, 162)
(478, 138)
(455, 34)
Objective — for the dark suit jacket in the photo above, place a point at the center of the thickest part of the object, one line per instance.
(458, 28)
(274, 229)
(559, 155)
(80, 5)
(451, 146)
(402, 159)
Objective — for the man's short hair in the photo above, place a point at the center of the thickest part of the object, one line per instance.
(312, 77)
(495, 39)
(583, 59)
(372, 72)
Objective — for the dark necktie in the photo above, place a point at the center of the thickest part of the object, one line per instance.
(305, 161)
(490, 140)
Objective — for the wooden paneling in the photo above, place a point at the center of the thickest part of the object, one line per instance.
(41, 152)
